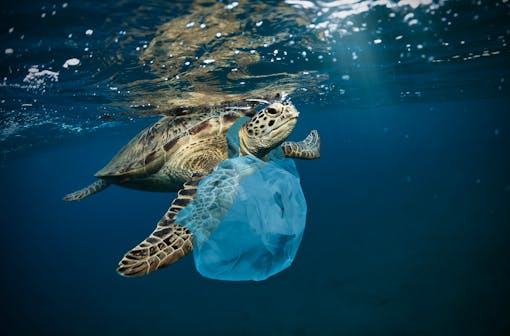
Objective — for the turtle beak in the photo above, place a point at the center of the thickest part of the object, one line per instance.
(293, 113)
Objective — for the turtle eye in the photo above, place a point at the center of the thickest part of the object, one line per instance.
(271, 110)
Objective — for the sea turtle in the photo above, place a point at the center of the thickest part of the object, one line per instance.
(177, 151)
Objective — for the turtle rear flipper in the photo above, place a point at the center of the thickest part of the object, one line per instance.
(167, 243)
(308, 149)
(87, 191)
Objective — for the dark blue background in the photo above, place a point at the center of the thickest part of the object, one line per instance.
(401, 238)
(408, 229)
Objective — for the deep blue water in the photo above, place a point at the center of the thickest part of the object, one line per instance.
(408, 208)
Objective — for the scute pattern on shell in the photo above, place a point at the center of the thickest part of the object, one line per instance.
(146, 152)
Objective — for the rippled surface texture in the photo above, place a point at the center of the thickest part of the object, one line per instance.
(408, 208)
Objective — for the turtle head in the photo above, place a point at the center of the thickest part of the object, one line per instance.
(267, 129)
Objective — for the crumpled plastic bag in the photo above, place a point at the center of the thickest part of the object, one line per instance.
(247, 219)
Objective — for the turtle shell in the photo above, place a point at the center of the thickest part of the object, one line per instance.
(146, 153)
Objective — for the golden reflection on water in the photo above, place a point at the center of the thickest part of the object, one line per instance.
(217, 52)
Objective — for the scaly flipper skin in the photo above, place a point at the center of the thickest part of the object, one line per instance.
(308, 149)
(87, 191)
(167, 243)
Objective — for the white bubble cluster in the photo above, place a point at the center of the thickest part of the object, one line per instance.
(71, 62)
(37, 78)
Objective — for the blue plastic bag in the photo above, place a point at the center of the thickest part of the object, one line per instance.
(247, 219)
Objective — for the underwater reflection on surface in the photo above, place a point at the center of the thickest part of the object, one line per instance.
(107, 63)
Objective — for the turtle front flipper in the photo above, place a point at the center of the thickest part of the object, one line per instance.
(167, 243)
(87, 191)
(308, 149)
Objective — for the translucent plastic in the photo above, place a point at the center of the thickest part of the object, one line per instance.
(248, 219)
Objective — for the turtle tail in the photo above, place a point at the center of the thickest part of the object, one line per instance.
(87, 191)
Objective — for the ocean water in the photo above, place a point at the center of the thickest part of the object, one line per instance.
(408, 224)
